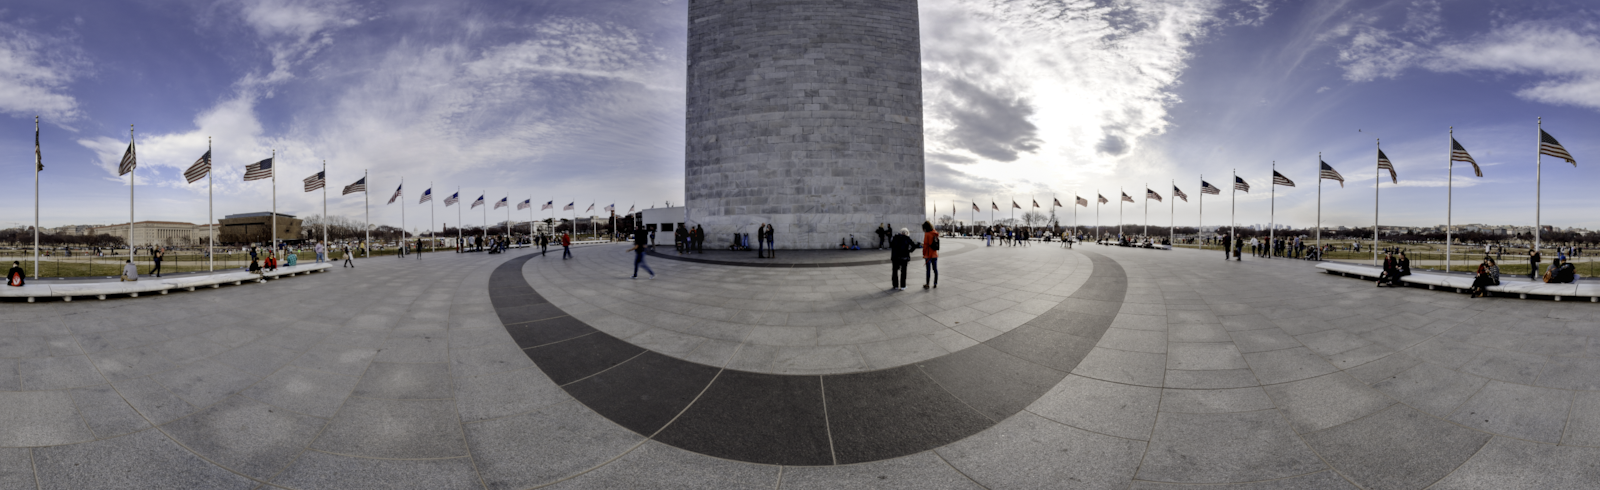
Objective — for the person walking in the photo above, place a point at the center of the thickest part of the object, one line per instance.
(930, 256)
(566, 246)
(1227, 249)
(347, 257)
(156, 256)
(1533, 263)
(900, 248)
(640, 242)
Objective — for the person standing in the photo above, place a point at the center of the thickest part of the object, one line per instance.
(772, 250)
(347, 257)
(566, 246)
(640, 241)
(156, 255)
(930, 256)
(900, 248)
(1227, 248)
(1533, 263)
(322, 253)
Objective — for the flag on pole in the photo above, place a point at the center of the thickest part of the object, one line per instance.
(1459, 154)
(502, 202)
(525, 204)
(257, 171)
(396, 194)
(1330, 174)
(569, 206)
(316, 181)
(1058, 201)
(1240, 185)
(1207, 188)
(1279, 179)
(1014, 204)
(452, 200)
(993, 206)
(1385, 164)
(547, 205)
(1179, 194)
(359, 186)
(975, 206)
(39, 158)
(1150, 194)
(427, 195)
(1036, 204)
(1126, 197)
(1547, 146)
(199, 170)
(611, 208)
(129, 160)
(630, 209)
(477, 203)
(591, 208)
(1103, 199)
(1082, 202)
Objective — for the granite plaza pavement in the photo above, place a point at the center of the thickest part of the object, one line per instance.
(1029, 367)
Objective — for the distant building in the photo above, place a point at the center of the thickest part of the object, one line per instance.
(661, 219)
(156, 233)
(256, 228)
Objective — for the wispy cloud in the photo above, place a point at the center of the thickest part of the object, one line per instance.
(1567, 60)
(35, 72)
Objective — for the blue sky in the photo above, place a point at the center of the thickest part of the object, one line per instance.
(583, 101)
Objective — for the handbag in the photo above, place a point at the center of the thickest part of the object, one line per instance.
(935, 244)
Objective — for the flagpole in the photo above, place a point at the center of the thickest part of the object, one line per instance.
(1449, 202)
(1272, 211)
(1146, 231)
(1538, 185)
(131, 173)
(1172, 219)
(325, 246)
(1319, 205)
(366, 206)
(1233, 211)
(432, 237)
(1200, 220)
(459, 223)
(1119, 211)
(274, 168)
(1377, 178)
(211, 216)
(402, 190)
(38, 164)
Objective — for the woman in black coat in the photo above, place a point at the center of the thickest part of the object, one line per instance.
(900, 248)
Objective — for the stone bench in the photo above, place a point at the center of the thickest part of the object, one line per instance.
(1461, 283)
(149, 284)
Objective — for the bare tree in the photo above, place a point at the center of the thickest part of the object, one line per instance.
(1031, 218)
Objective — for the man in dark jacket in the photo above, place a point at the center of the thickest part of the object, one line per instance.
(900, 248)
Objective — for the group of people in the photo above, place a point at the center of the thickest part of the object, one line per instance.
(1292, 248)
(900, 248)
(687, 240)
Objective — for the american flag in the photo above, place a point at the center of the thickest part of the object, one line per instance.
(547, 205)
(1058, 201)
(201, 168)
(1330, 174)
(975, 206)
(1459, 154)
(396, 194)
(1103, 199)
(630, 209)
(1179, 194)
(1014, 205)
(257, 171)
(1279, 179)
(1126, 197)
(1207, 188)
(1149, 194)
(452, 200)
(1240, 185)
(525, 204)
(1547, 146)
(1385, 164)
(477, 203)
(427, 195)
(1036, 203)
(316, 181)
(38, 158)
(502, 202)
(1082, 202)
(129, 161)
(993, 206)
(611, 208)
(591, 208)
(569, 206)
(359, 186)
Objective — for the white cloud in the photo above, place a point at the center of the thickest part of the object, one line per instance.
(35, 71)
(1568, 60)
(294, 30)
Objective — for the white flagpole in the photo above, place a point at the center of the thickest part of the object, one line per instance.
(37, 163)
(274, 168)
(1449, 201)
(485, 235)
(402, 189)
(211, 217)
(432, 237)
(1146, 231)
(1538, 185)
(1097, 215)
(1200, 221)
(131, 174)
(1172, 219)
(366, 206)
(1272, 213)
(1119, 212)
(1319, 204)
(1378, 183)
(1233, 213)
(460, 245)
(325, 208)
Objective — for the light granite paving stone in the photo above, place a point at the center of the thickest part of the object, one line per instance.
(405, 381)
(978, 331)
(1282, 366)
(1115, 409)
(55, 373)
(488, 359)
(1262, 340)
(246, 436)
(318, 470)
(1155, 323)
(1135, 368)
(1325, 401)
(1028, 451)
(1431, 388)
(714, 352)
(105, 411)
(1511, 463)
(145, 459)
(1237, 323)
(1383, 368)
(1330, 342)
(1322, 480)
(349, 359)
(924, 470)
(40, 418)
(1570, 373)
(506, 393)
(1398, 447)
(899, 352)
(308, 391)
(1225, 448)
(667, 467)
(1360, 355)
(1134, 340)
(951, 340)
(204, 382)
(430, 348)
(16, 468)
(666, 341)
(1583, 423)
(1197, 332)
(1520, 411)
(1445, 352)
(571, 439)
(153, 401)
(1204, 357)
(1215, 400)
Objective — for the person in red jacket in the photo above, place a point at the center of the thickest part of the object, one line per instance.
(566, 246)
(930, 255)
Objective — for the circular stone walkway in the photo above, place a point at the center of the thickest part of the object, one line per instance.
(404, 374)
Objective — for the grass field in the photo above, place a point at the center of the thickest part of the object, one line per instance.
(175, 262)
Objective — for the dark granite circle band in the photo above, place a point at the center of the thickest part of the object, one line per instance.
(806, 420)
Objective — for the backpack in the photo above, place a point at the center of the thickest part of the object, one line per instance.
(935, 245)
